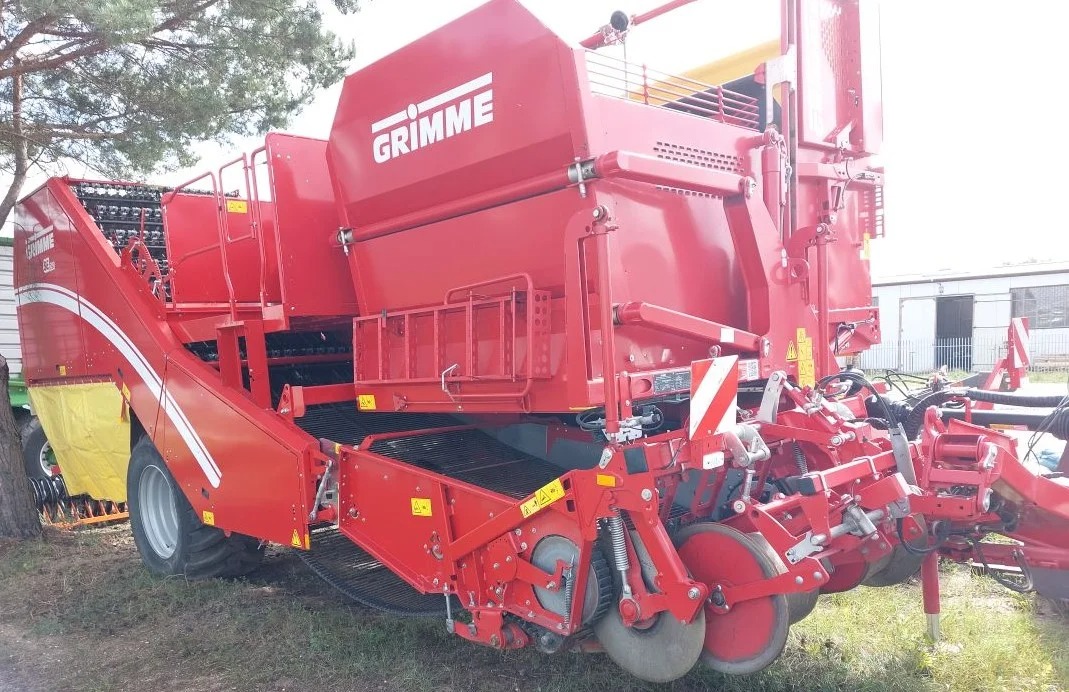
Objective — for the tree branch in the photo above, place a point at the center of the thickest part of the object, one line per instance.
(96, 44)
(23, 37)
(19, 151)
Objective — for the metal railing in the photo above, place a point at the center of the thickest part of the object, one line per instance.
(611, 76)
(1049, 353)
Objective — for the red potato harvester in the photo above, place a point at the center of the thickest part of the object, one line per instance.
(540, 342)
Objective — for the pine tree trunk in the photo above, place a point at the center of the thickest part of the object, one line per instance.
(18, 515)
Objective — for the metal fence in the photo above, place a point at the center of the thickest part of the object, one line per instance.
(1049, 353)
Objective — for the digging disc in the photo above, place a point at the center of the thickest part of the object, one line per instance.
(753, 633)
(800, 603)
(846, 576)
(900, 564)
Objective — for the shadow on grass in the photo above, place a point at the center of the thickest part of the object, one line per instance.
(113, 626)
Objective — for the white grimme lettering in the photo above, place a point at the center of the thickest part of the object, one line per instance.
(440, 117)
(40, 242)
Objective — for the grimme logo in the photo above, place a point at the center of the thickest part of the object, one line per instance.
(422, 124)
(41, 241)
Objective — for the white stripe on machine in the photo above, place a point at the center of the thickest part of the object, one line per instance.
(68, 300)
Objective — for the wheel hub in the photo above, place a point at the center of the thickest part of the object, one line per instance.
(159, 513)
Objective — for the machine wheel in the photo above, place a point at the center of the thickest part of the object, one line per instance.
(169, 535)
(36, 452)
(598, 592)
(752, 634)
(660, 650)
(899, 566)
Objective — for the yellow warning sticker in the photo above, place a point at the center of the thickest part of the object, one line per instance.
(421, 507)
(792, 351)
(542, 498)
(208, 517)
(606, 480)
(866, 243)
(62, 370)
(366, 402)
(807, 373)
(295, 540)
(237, 206)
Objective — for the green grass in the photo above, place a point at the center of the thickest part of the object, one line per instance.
(1056, 377)
(81, 614)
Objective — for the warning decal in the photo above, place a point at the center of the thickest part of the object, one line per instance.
(366, 402)
(543, 497)
(807, 373)
(421, 507)
(208, 517)
(237, 206)
(295, 540)
(792, 351)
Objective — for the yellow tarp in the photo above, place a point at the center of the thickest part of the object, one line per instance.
(735, 66)
(91, 442)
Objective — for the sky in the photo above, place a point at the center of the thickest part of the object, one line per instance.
(974, 147)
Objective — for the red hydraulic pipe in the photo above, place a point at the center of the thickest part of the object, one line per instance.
(597, 39)
(823, 354)
(608, 342)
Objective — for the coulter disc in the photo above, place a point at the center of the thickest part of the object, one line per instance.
(753, 633)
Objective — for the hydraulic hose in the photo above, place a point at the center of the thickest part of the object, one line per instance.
(1010, 399)
(915, 419)
(1059, 425)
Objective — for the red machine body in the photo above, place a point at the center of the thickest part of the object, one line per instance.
(543, 336)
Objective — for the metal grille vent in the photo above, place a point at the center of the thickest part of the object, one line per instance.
(699, 157)
(871, 212)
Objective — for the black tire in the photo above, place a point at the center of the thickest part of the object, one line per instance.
(198, 551)
(34, 448)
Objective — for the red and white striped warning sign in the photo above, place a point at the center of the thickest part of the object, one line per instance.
(714, 395)
(1019, 345)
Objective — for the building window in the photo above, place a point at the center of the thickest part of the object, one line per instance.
(1046, 307)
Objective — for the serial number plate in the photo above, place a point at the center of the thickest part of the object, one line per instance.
(665, 382)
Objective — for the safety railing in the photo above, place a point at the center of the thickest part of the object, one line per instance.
(617, 78)
(220, 226)
(515, 302)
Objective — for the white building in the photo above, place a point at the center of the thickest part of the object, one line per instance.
(960, 318)
(9, 326)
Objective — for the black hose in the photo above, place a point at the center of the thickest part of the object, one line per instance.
(939, 540)
(1059, 425)
(1024, 586)
(915, 419)
(1010, 399)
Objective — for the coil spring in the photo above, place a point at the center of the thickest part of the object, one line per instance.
(619, 543)
(569, 593)
(800, 460)
(49, 492)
